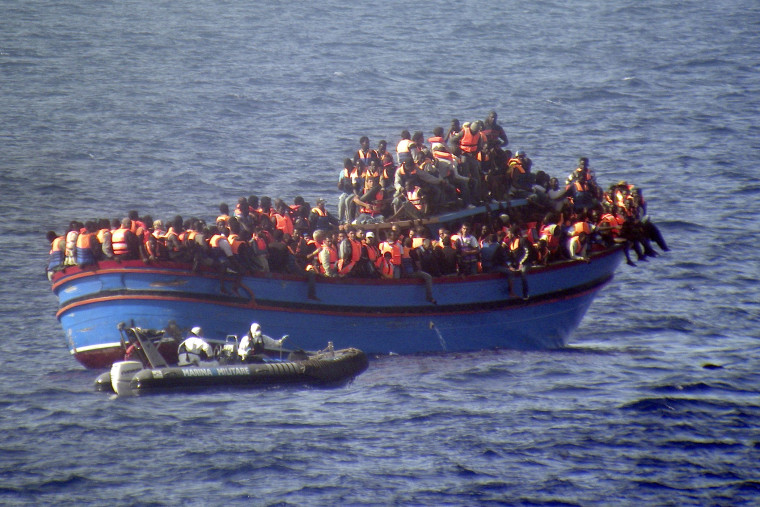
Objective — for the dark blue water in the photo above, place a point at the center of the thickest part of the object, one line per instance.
(174, 107)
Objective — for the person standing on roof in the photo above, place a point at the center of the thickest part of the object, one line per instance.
(471, 143)
(494, 132)
(403, 147)
(347, 191)
(454, 131)
(386, 164)
(364, 154)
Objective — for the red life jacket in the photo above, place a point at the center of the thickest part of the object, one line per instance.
(552, 240)
(531, 233)
(373, 253)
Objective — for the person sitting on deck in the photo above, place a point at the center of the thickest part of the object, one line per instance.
(278, 256)
(328, 258)
(393, 246)
(468, 250)
(155, 243)
(224, 213)
(349, 254)
(88, 248)
(446, 254)
(320, 218)
(70, 250)
(104, 238)
(124, 242)
(493, 257)
(519, 174)
(57, 253)
(363, 156)
(281, 217)
(372, 207)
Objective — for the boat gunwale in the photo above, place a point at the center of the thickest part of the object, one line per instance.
(182, 269)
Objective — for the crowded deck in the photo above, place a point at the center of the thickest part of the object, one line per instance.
(383, 229)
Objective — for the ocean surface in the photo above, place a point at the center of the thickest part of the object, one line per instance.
(174, 107)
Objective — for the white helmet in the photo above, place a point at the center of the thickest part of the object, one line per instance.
(197, 331)
(255, 330)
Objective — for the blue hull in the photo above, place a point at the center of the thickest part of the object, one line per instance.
(377, 316)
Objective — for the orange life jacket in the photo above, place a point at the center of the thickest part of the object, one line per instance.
(284, 223)
(333, 258)
(444, 155)
(580, 227)
(515, 164)
(614, 222)
(403, 146)
(376, 206)
(396, 252)
(346, 265)
(171, 234)
(155, 245)
(235, 242)
(469, 143)
(386, 268)
(119, 242)
(414, 198)
(58, 245)
(365, 156)
(101, 235)
(260, 244)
